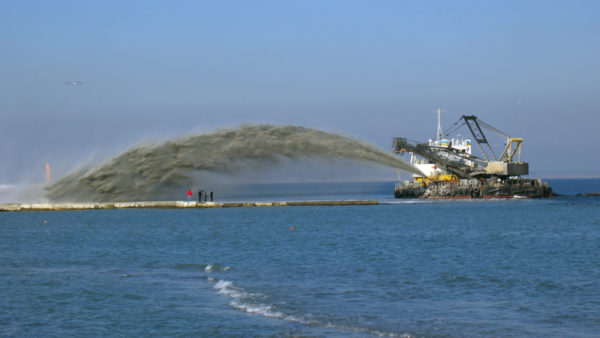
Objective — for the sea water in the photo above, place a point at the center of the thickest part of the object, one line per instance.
(402, 268)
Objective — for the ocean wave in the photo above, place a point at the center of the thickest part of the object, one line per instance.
(245, 301)
(202, 267)
(250, 302)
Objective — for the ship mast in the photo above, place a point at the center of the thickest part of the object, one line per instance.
(439, 129)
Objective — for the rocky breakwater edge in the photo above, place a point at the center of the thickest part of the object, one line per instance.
(169, 205)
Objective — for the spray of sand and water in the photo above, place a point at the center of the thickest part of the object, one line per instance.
(150, 172)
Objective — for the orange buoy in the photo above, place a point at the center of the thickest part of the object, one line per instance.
(292, 228)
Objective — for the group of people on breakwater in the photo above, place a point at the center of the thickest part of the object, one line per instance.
(201, 194)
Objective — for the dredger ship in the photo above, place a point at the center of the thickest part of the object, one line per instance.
(450, 170)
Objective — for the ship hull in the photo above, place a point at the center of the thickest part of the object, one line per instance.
(522, 188)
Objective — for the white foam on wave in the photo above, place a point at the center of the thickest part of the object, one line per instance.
(263, 310)
(216, 267)
(223, 286)
(243, 300)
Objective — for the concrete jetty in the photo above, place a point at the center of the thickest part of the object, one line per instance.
(169, 205)
(589, 194)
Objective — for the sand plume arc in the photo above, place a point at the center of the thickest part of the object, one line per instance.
(145, 172)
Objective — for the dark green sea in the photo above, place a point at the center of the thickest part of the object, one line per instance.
(402, 268)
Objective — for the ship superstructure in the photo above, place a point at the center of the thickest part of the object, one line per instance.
(452, 171)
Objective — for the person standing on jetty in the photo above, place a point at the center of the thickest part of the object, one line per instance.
(206, 196)
(211, 195)
(200, 193)
(189, 195)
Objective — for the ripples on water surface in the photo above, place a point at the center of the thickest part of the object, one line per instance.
(467, 268)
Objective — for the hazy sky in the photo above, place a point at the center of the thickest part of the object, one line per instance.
(369, 69)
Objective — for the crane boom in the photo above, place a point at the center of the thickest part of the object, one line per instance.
(478, 135)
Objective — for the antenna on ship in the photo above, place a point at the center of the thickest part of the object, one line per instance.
(439, 130)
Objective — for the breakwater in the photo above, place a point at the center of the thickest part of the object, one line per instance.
(170, 205)
(589, 194)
